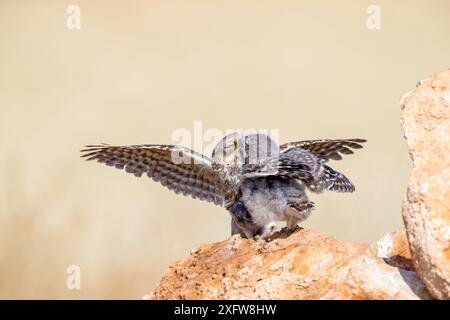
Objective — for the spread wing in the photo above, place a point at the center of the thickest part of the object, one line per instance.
(282, 165)
(303, 165)
(326, 149)
(180, 169)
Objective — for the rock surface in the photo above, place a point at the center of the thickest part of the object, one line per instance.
(426, 209)
(305, 265)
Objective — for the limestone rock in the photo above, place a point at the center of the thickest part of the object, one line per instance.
(426, 209)
(305, 265)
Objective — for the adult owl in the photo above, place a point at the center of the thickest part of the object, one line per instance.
(256, 180)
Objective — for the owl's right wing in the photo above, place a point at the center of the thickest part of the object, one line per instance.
(178, 168)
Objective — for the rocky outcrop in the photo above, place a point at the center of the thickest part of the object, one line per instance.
(305, 265)
(426, 209)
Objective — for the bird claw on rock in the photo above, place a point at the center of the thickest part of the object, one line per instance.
(267, 232)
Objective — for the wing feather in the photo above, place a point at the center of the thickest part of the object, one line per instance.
(303, 165)
(326, 149)
(282, 165)
(177, 168)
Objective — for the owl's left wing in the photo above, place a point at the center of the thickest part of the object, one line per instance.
(178, 168)
(327, 148)
(281, 165)
(301, 164)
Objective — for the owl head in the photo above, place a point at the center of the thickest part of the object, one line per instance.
(237, 149)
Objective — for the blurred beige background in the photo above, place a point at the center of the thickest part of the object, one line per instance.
(138, 70)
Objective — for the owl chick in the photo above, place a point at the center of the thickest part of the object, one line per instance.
(257, 181)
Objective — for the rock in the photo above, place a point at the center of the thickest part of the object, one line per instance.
(394, 249)
(426, 209)
(305, 265)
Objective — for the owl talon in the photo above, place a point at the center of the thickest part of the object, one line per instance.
(267, 232)
(248, 234)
